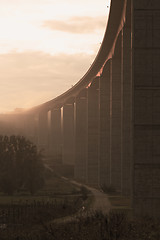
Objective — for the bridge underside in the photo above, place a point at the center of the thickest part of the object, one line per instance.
(109, 128)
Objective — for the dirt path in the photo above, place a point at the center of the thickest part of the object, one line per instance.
(101, 202)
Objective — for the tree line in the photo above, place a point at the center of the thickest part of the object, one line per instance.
(21, 165)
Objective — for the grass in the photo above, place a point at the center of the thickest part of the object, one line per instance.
(55, 188)
(59, 186)
(119, 201)
(121, 204)
(61, 198)
(24, 213)
(97, 226)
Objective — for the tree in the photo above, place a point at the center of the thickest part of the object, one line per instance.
(21, 165)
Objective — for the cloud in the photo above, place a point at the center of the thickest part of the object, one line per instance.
(31, 78)
(22, 2)
(77, 25)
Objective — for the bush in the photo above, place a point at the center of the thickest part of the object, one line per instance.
(84, 191)
(108, 188)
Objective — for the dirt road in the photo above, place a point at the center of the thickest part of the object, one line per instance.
(100, 203)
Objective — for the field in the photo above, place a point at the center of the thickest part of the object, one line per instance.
(22, 213)
(56, 213)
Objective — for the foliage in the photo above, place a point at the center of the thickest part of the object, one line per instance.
(114, 226)
(20, 165)
(108, 189)
(37, 211)
(84, 191)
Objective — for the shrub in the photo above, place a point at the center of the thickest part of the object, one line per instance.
(108, 188)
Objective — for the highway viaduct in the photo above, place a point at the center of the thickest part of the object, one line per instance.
(108, 124)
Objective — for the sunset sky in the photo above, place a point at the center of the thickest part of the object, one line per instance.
(46, 46)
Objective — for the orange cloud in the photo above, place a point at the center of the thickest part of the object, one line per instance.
(31, 78)
(77, 25)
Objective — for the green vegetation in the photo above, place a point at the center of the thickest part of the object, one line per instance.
(96, 226)
(84, 192)
(55, 185)
(108, 189)
(23, 213)
(37, 204)
(27, 214)
(21, 165)
(120, 202)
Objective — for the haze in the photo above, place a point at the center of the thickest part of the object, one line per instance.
(46, 46)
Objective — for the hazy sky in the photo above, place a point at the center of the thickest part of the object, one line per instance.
(46, 46)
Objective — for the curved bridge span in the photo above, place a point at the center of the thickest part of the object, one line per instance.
(108, 125)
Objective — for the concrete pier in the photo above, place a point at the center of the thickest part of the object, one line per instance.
(68, 134)
(43, 130)
(81, 136)
(55, 143)
(105, 126)
(117, 101)
(93, 133)
(146, 141)
(127, 107)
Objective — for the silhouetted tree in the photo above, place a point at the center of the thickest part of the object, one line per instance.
(21, 165)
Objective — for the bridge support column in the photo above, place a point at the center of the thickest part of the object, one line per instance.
(55, 135)
(68, 134)
(29, 127)
(93, 133)
(43, 130)
(116, 132)
(146, 72)
(81, 135)
(105, 126)
(127, 105)
(36, 132)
